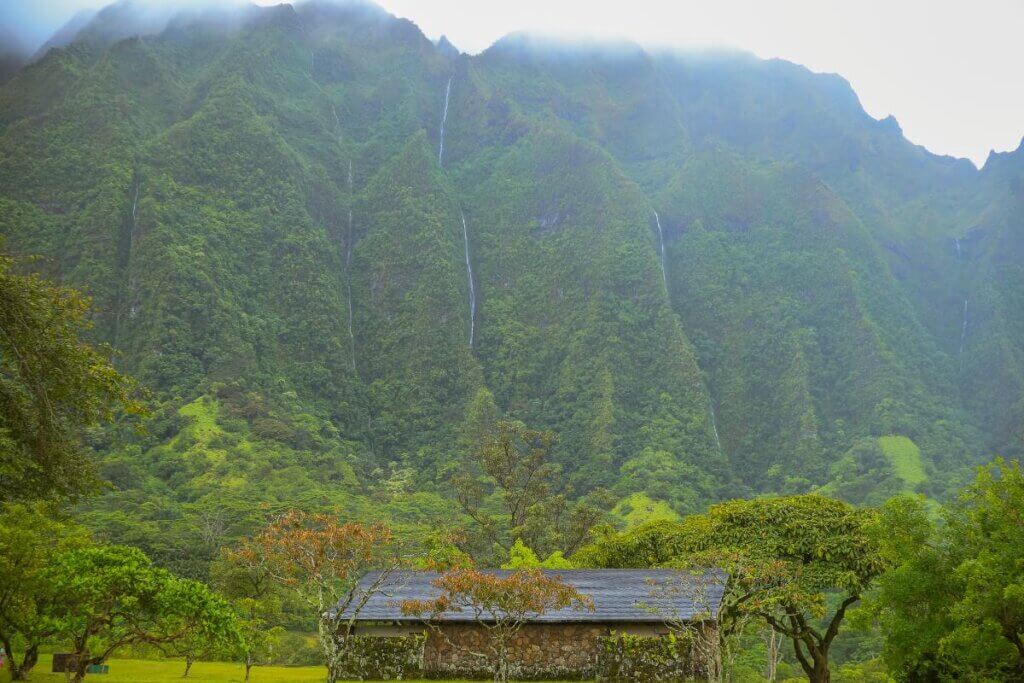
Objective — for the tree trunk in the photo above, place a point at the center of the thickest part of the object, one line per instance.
(189, 661)
(333, 669)
(19, 672)
(820, 672)
(772, 647)
(248, 668)
(814, 661)
(81, 663)
(501, 666)
(330, 647)
(28, 661)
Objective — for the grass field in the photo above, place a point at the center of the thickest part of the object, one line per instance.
(161, 671)
(164, 671)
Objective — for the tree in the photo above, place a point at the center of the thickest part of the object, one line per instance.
(322, 560)
(521, 556)
(500, 604)
(913, 602)
(29, 536)
(698, 588)
(988, 527)
(256, 598)
(953, 606)
(107, 597)
(784, 556)
(52, 386)
(514, 476)
(196, 623)
(259, 639)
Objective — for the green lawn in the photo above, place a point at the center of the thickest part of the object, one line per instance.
(164, 671)
(151, 671)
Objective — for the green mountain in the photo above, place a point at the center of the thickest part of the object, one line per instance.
(316, 235)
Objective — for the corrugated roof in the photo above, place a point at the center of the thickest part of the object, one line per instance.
(619, 595)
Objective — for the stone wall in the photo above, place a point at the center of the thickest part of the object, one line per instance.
(539, 652)
(383, 659)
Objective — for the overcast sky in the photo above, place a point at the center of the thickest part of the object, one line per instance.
(949, 70)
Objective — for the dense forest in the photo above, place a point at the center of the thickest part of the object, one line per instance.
(335, 257)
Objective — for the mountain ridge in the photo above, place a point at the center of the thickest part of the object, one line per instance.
(711, 275)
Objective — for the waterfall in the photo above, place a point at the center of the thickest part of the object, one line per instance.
(661, 250)
(714, 425)
(348, 269)
(469, 276)
(963, 317)
(132, 311)
(125, 247)
(135, 206)
(963, 335)
(444, 119)
(337, 122)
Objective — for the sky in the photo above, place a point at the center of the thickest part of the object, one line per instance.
(948, 70)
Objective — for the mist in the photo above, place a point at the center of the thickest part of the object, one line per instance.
(943, 70)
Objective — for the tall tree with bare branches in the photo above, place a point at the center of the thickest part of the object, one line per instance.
(322, 559)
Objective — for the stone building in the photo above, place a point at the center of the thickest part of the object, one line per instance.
(625, 636)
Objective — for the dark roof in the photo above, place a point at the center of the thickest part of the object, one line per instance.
(619, 595)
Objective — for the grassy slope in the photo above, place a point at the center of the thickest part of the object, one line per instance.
(905, 457)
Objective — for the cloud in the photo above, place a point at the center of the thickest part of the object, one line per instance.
(948, 71)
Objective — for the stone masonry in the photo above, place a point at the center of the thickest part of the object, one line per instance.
(539, 651)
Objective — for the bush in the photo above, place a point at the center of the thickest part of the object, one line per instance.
(297, 649)
(384, 658)
(641, 658)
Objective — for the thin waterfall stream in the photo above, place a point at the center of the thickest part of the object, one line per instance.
(714, 424)
(469, 276)
(444, 119)
(963, 334)
(963, 315)
(661, 250)
(337, 122)
(462, 215)
(135, 207)
(348, 269)
(131, 243)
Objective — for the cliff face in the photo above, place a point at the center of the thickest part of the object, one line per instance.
(712, 275)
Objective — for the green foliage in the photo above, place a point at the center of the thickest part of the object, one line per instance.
(520, 556)
(393, 658)
(952, 608)
(784, 558)
(506, 487)
(53, 385)
(29, 537)
(638, 509)
(626, 657)
(102, 598)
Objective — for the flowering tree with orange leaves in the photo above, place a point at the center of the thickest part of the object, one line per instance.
(500, 603)
(321, 560)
